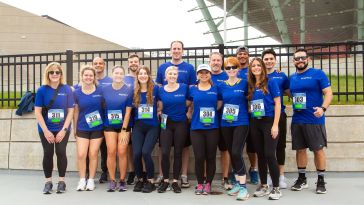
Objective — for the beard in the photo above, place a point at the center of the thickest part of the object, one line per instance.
(133, 69)
(301, 68)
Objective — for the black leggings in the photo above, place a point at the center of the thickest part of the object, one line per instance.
(48, 152)
(204, 143)
(266, 147)
(281, 146)
(175, 134)
(235, 138)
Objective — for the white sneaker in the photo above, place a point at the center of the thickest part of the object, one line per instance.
(90, 185)
(275, 194)
(282, 182)
(81, 185)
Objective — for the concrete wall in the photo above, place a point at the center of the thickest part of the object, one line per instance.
(20, 147)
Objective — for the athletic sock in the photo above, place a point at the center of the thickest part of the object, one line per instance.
(302, 172)
(320, 173)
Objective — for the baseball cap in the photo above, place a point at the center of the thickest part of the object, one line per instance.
(203, 67)
(242, 49)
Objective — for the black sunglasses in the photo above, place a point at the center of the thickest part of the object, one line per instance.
(231, 67)
(54, 72)
(300, 58)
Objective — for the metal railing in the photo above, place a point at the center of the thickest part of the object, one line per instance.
(342, 62)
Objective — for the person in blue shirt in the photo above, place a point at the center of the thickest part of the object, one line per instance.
(235, 123)
(129, 79)
(88, 126)
(265, 110)
(269, 59)
(54, 112)
(174, 132)
(146, 128)
(242, 54)
(204, 128)
(186, 75)
(219, 76)
(118, 99)
(308, 86)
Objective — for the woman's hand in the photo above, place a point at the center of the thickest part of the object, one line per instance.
(274, 131)
(124, 137)
(60, 135)
(49, 136)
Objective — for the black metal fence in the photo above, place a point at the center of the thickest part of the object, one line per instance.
(342, 62)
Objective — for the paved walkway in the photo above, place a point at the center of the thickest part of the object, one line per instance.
(24, 187)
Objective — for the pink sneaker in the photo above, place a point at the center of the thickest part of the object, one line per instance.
(199, 189)
(207, 189)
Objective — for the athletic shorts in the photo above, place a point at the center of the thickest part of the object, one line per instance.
(222, 145)
(90, 134)
(118, 130)
(312, 136)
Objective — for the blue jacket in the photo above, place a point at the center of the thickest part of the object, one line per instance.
(26, 103)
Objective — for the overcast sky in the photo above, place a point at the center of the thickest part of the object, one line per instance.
(137, 23)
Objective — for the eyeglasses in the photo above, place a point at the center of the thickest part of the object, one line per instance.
(231, 67)
(300, 58)
(54, 72)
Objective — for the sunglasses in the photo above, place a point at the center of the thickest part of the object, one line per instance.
(231, 67)
(54, 72)
(300, 58)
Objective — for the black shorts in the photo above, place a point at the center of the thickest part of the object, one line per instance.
(118, 130)
(222, 145)
(188, 140)
(312, 136)
(90, 134)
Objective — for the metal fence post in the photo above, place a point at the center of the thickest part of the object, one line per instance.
(69, 66)
(221, 49)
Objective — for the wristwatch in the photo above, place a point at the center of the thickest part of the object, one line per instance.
(65, 129)
(124, 128)
(323, 108)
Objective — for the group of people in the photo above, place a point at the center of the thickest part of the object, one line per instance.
(223, 104)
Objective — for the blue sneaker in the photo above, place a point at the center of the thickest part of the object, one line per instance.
(254, 177)
(234, 191)
(112, 186)
(122, 186)
(242, 194)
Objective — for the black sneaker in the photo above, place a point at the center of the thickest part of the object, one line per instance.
(176, 188)
(103, 177)
(163, 186)
(148, 187)
(61, 188)
(48, 188)
(138, 186)
(131, 178)
(320, 186)
(299, 184)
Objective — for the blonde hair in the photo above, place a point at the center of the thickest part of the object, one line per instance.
(85, 68)
(172, 67)
(46, 80)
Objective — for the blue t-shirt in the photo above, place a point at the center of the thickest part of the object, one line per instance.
(129, 80)
(147, 113)
(116, 102)
(243, 73)
(186, 73)
(174, 103)
(235, 105)
(283, 84)
(91, 114)
(310, 85)
(204, 114)
(57, 113)
(219, 78)
(264, 103)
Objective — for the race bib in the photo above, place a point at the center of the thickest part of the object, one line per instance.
(115, 117)
(55, 115)
(257, 108)
(230, 112)
(93, 119)
(207, 115)
(145, 112)
(299, 101)
(164, 121)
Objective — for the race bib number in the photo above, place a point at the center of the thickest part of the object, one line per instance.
(299, 101)
(230, 112)
(55, 115)
(257, 108)
(207, 115)
(115, 117)
(164, 121)
(145, 112)
(93, 119)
